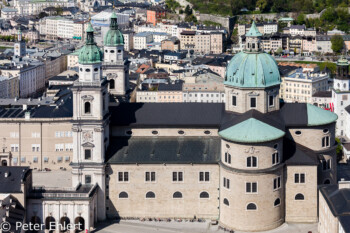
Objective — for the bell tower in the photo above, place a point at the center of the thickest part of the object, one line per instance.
(20, 45)
(90, 121)
(114, 65)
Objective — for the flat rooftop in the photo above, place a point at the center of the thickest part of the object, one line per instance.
(52, 179)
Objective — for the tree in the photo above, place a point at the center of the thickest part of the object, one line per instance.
(262, 4)
(300, 19)
(42, 14)
(234, 36)
(188, 10)
(337, 43)
(279, 51)
(339, 150)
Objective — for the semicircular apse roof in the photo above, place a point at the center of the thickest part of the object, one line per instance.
(251, 131)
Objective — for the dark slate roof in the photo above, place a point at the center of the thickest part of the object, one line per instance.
(170, 87)
(347, 146)
(347, 109)
(296, 154)
(199, 115)
(272, 119)
(337, 199)
(294, 114)
(327, 94)
(12, 183)
(345, 223)
(170, 150)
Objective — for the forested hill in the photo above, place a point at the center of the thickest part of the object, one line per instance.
(233, 7)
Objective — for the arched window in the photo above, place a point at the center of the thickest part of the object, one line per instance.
(112, 51)
(96, 69)
(204, 195)
(277, 202)
(87, 70)
(111, 84)
(177, 195)
(327, 181)
(150, 195)
(299, 196)
(123, 195)
(226, 202)
(251, 206)
(252, 161)
(87, 108)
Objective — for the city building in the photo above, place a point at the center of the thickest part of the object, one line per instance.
(175, 160)
(300, 85)
(8, 13)
(154, 15)
(341, 95)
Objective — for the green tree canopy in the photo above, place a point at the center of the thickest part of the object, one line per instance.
(337, 43)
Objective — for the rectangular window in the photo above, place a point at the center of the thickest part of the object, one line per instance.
(227, 183)
(14, 147)
(325, 141)
(177, 176)
(275, 158)
(253, 102)
(277, 183)
(234, 100)
(59, 159)
(227, 158)
(150, 176)
(23, 159)
(203, 176)
(299, 178)
(271, 100)
(35, 147)
(123, 176)
(67, 158)
(87, 179)
(326, 164)
(35, 159)
(46, 159)
(251, 187)
(87, 154)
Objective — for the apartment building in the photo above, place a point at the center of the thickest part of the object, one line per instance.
(143, 39)
(31, 77)
(216, 42)
(187, 40)
(128, 40)
(155, 14)
(204, 92)
(9, 87)
(299, 86)
(60, 27)
(202, 43)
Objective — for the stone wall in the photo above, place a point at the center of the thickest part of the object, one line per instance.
(163, 205)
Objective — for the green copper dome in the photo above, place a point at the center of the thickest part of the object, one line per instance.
(318, 116)
(90, 53)
(253, 31)
(113, 37)
(251, 131)
(342, 61)
(250, 70)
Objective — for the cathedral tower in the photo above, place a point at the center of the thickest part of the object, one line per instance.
(90, 121)
(114, 65)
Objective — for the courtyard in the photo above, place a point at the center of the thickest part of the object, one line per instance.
(135, 226)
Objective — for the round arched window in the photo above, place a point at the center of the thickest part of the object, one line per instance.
(87, 70)
(155, 132)
(81, 69)
(325, 131)
(227, 146)
(96, 69)
(106, 51)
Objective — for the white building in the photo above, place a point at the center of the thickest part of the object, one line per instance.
(8, 13)
(341, 97)
(34, 7)
(60, 27)
(128, 40)
(297, 30)
(270, 28)
(300, 85)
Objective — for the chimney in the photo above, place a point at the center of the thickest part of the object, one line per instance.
(27, 116)
(6, 174)
(24, 107)
(343, 184)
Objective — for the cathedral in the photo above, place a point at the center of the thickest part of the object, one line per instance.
(251, 163)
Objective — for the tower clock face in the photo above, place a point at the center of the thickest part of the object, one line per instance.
(87, 136)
